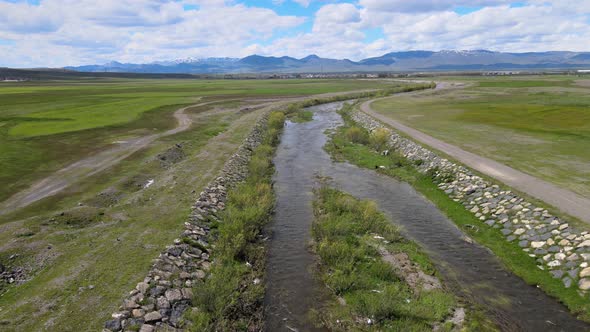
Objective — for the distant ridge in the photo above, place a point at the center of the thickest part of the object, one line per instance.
(394, 61)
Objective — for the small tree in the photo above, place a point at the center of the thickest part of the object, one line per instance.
(379, 138)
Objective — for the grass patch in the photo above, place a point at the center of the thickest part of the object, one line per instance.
(301, 116)
(512, 256)
(376, 298)
(232, 296)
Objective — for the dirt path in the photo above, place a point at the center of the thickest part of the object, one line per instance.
(92, 165)
(563, 199)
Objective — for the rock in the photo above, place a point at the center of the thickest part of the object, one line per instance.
(153, 316)
(584, 284)
(142, 287)
(523, 243)
(173, 295)
(162, 303)
(113, 325)
(585, 272)
(519, 231)
(567, 282)
(557, 274)
(130, 304)
(138, 313)
(537, 244)
(147, 328)
(586, 243)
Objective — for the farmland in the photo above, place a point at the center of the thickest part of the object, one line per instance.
(81, 249)
(539, 125)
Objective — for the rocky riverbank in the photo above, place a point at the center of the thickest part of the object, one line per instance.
(558, 249)
(160, 300)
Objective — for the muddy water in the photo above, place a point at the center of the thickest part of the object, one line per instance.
(469, 269)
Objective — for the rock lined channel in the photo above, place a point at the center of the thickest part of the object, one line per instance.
(160, 300)
(291, 287)
(469, 268)
(557, 248)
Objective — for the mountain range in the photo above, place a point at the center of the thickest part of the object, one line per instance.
(472, 60)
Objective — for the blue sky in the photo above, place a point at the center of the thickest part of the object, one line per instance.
(35, 33)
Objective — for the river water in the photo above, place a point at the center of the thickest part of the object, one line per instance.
(472, 271)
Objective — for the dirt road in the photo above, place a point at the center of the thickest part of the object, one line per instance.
(563, 199)
(91, 165)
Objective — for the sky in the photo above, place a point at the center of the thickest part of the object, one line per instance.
(57, 33)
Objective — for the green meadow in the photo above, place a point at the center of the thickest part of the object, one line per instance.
(539, 125)
(86, 247)
(45, 126)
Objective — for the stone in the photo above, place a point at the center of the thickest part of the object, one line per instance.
(162, 303)
(567, 282)
(138, 313)
(557, 274)
(130, 304)
(153, 316)
(147, 328)
(510, 238)
(523, 243)
(113, 325)
(573, 273)
(584, 284)
(554, 263)
(519, 231)
(585, 272)
(537, 244)
(173, 295)
(142, 287)
(586, 243)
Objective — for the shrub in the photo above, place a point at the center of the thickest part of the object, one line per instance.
(356, 135)
(379, 138)
(276, 120)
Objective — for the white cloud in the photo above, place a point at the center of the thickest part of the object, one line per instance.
(72, 32)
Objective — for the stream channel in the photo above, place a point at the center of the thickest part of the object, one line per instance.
(470, 270)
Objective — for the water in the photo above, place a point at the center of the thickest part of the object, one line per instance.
(470, 270)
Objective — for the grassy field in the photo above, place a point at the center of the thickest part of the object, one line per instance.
(81, 259)
(538, 124)
(359, 150)
(45, 126)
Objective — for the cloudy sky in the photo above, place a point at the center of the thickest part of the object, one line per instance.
(57, 33)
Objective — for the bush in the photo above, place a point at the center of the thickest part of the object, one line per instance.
(379, 139)
(276, 120)
(356, 135)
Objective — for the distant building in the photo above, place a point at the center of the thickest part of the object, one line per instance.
(586, 71)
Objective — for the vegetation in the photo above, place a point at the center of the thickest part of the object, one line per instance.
(109, 242)
(347, 233)
(47, 125)
(537, 124)
(510, 254)
(302, 116)
(231, 297)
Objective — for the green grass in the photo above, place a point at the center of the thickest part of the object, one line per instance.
(509, 254)
(229, 299)
(45, 126)
(539, 125)
(115, 251)
(352, 268)
(301, 116)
